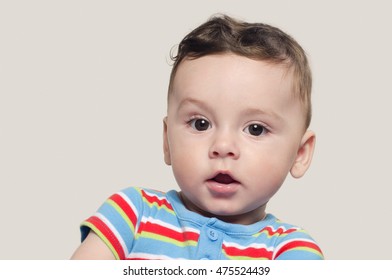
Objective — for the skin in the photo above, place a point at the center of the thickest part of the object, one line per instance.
(230, 97)
(93, 248)
(229, 94)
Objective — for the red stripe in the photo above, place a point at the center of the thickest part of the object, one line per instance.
(248, 252)
(155, 199)
(125, 207)
(279, 231)
(298, 243)
(164, 231)
(105, 230)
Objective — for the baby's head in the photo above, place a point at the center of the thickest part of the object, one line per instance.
(238, 112)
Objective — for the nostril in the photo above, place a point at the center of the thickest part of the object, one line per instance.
(217, 154)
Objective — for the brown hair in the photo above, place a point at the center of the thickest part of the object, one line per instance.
(223, 34)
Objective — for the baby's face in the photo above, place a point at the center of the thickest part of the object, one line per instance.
(234, 131)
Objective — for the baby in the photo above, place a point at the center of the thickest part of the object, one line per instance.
(237, 123)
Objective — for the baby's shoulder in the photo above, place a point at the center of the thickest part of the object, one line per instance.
(289, 240)
(276, 228)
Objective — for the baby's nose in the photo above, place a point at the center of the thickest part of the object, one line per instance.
(224, 146)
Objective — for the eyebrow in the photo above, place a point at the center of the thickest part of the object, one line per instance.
(257, 111)
(249, 111)
(193, 101)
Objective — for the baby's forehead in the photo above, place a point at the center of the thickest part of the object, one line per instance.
(231, 69)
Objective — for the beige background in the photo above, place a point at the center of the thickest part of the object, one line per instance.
(82, 97)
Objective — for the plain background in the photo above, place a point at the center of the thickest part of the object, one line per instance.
(83, 94)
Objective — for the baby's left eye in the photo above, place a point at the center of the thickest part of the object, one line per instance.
(199, 124)
(255, 129)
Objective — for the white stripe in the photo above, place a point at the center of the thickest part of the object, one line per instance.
(129, 202)
(114, 231)
(169, 226)
(189, 229)
(253, 245)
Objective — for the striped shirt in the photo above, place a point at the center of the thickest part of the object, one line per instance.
(147, 224)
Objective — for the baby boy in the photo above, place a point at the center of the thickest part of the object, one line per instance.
(239, 109)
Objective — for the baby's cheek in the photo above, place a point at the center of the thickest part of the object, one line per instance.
(184, 169)
(269, 173)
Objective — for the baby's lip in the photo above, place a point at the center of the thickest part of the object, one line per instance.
(223, 184)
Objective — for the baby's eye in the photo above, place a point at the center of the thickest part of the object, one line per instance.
(255, 129)
(199, 124)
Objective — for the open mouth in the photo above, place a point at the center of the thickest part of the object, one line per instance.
(223, 185)
(224, 179)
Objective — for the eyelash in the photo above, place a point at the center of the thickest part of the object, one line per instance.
(192, 123)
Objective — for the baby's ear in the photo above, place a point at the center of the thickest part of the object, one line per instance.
(166, 150)
(304, 155)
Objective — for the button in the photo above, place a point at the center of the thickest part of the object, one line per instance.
(212, 234)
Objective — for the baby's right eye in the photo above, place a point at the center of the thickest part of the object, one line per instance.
(199, 124)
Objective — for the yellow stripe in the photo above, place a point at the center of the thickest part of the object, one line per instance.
(166, 239)
(307, 249)
(122, 213)
(243, 258)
